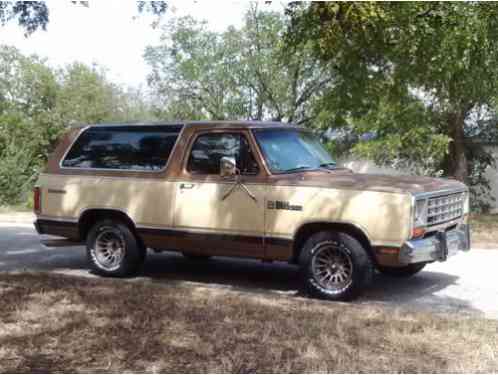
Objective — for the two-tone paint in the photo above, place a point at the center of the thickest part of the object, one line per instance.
(173, 209)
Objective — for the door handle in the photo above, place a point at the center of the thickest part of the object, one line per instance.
(186, 186)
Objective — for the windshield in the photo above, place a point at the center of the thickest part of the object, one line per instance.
(292, 150)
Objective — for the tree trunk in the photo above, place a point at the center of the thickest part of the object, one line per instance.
(457, 161)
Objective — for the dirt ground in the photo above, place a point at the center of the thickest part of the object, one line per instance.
(484, 231)
(54, 323)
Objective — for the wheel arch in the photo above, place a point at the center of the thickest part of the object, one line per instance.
(310, 228)
(91, 215)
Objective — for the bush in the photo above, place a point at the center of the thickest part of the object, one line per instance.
(18, 172)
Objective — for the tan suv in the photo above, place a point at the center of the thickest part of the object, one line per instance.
(248, 189)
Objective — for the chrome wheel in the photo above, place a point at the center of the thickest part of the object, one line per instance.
(332, 267)
(109, 249)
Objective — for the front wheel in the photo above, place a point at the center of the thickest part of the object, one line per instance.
(113, 249)
(405, 271)
(335, 266)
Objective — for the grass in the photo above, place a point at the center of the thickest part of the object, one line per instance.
(16, 208)
(25, 205)
(57, 323)
(484, 230)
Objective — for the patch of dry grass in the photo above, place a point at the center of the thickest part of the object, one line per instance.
(17, 208)
(52, 323)
(484, 230)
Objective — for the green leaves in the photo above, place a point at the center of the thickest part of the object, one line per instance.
(37, 103)
(34, 15)
(412, 73)
(244, 73)
(86, 96)
(31, 15)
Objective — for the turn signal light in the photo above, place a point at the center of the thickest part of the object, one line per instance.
(389, 250)
(37, 200)
(418, 232)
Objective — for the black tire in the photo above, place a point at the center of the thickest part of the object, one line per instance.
(344, 247)
(131, 257)
(405, 271)
(197, 257)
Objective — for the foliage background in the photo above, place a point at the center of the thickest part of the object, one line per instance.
(408, 85)
(38, 102)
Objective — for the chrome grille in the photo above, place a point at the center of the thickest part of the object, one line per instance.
(445, 208)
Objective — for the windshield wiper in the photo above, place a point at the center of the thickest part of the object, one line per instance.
(297, 169)
(326, 165)
(309, 168)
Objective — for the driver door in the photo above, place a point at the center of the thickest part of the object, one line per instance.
(211, 214)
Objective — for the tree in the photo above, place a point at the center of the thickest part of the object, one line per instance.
(157, 8)
(37, 103)
(86, 96)
(289, 84)
(30, 15)
(28, 121)
(237, 74)
(28, 93)
(34, 15)
(190, 72)
(436, 60)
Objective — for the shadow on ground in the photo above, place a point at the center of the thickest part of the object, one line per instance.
(20, 250)
(255, 276)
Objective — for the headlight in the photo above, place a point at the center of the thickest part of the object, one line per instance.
(420, 218)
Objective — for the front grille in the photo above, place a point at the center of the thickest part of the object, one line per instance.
(445, 208)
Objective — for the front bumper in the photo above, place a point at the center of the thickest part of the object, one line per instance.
(438, 247)
(38, 227)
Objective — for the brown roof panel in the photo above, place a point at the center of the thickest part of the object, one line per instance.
(210, 123)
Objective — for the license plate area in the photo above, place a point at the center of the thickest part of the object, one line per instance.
(443, 245)
(450, 243)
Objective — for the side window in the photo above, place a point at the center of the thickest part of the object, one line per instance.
(208, 149)
(139, 148)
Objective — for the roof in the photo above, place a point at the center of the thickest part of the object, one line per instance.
(212, 123)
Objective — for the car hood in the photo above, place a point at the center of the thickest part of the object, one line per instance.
(345, 179)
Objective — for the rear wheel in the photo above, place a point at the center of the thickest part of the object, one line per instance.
(405, 271)
(335, 266)
(113, 249)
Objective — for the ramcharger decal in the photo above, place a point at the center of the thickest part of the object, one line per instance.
(281, 205)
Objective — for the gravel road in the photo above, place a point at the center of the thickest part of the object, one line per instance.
(466, 283)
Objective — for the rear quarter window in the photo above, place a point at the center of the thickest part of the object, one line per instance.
(137, 148)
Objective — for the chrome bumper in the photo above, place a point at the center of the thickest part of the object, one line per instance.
(437, 247)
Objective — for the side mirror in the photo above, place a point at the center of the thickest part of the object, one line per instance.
(228, 167)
